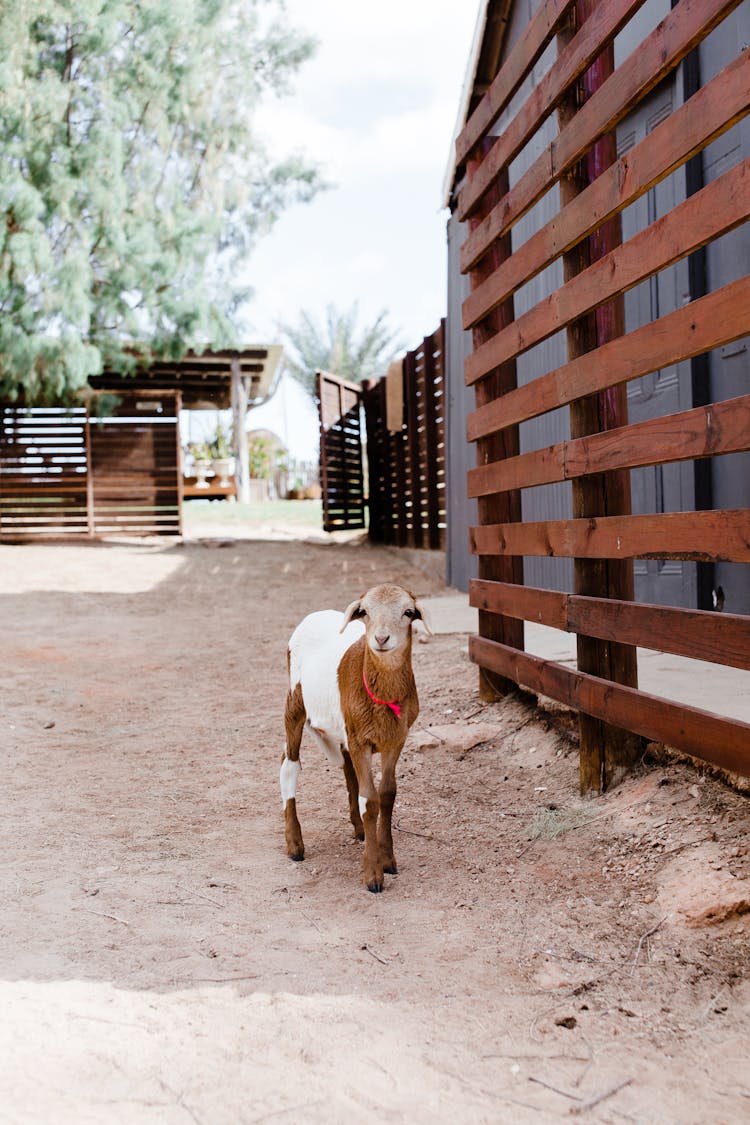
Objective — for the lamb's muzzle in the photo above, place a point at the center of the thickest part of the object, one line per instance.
(351, 685)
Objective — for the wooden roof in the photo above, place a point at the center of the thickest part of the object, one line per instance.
(205, 380)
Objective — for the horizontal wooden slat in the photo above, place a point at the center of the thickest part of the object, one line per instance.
(721, 427)
(722, 638)
(685, 26)
(710, 322)
(708, 114)
(723, 742)
(597, 32)
(712, 536)
(521, 59)
(716, 209)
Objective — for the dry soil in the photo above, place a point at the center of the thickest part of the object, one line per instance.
(163, 961)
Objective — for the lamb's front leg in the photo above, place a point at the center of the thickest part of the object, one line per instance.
(387, 799)
(369, 807)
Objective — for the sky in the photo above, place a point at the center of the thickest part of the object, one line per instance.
(376, 108)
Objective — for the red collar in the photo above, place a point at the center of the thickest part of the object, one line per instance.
(395, 706)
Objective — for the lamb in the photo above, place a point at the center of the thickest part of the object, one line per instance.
(351, 685)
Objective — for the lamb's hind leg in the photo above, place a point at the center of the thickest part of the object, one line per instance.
(294, 721)
(352, 786)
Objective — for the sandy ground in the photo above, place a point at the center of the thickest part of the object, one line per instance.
(162, 960)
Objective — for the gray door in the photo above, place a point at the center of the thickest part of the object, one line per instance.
(727, 259)
(658, 488)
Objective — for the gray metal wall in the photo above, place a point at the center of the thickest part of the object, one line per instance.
(461, 566)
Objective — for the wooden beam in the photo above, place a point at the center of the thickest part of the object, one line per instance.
(678, 33)
(713, 536)
(721, 638)
(718, 208)
(498, 508)
(707, 115)
(721, 427)
(710, 322)
(537, 36)
(572, 60)
(722, 742)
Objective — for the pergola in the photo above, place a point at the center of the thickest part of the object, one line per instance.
(211, 380)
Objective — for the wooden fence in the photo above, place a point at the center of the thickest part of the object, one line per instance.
(342, 478)
(405, 416)
(65, 473)
(589, 96)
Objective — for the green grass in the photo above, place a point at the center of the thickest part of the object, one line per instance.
(300, 513)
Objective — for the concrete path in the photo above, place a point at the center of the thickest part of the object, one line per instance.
(712, 687)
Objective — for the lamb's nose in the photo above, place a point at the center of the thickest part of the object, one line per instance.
(382, 638)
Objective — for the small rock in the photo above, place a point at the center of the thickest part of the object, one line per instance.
(49, 725)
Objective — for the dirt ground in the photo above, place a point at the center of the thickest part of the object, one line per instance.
(162, 960)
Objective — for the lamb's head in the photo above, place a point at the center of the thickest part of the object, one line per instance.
(387, 613)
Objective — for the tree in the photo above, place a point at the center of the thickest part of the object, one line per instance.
(132, 182)
(337, 346)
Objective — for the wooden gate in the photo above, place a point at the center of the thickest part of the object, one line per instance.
(66, 473)
(590, 96)
(342, 477)
(405, 416)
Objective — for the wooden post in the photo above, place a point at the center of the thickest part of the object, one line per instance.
(504, 507)
(606, 752)
(90, 499)
(239, 437)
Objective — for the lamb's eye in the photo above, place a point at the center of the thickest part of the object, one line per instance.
(409, 613)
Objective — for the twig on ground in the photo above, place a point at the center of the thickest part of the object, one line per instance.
(645, 937)
(101, 914)
(422, 835)
(591, 1102)
(371, 951)
(554, 1089)
(213, 901)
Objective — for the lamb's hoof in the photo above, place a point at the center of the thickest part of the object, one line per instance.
(375, 887)
(391, 868)
(359, 834)
(297, 856)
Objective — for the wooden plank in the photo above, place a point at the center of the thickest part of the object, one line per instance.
(720, 427)
(723, 742)
(529, 48)
(411, 395)
(710, 322)
(706, 536)
(721, 638)
(718, 208)
(597, 31)
(434, 391)
(678, 33)
(706, 116)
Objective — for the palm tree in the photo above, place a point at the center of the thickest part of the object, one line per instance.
(338, 346)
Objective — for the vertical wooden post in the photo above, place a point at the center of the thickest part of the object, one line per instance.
(606, 752)
(178, 456)
(239, 437)
(504, 507)
(90, 499)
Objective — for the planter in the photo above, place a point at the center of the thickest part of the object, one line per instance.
(224, 469)
(201, 469)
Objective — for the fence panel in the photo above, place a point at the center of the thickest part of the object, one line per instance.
(342, 479)
(65, 473)
(591, 95)
(407, 461)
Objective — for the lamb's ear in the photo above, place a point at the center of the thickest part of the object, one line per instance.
(420, 615)
(351, 613)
